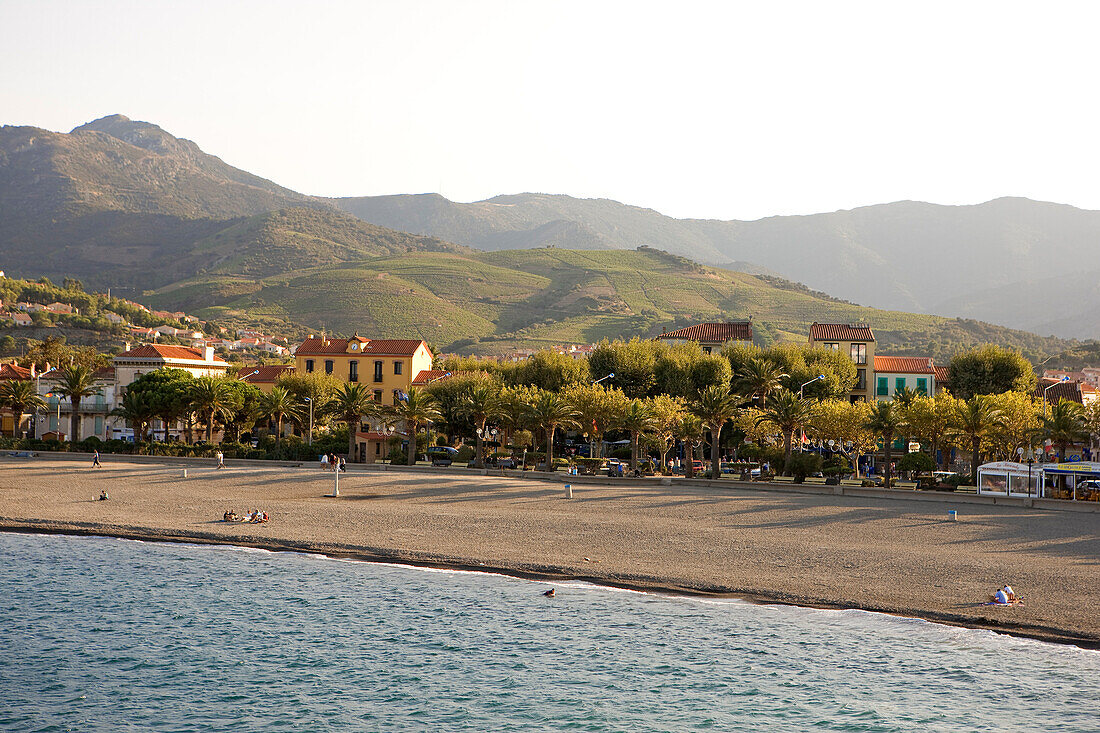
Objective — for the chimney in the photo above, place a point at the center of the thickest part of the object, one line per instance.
(126, 345)
(208, 353)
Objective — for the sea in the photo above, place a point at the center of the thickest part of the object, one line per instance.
(100, 634)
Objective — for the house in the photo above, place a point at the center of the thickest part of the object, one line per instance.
(94, 411)
(710, 336)
(387, 366)
(264, 377)
(1053, 391)
(22, 320)
(275, 349)
(857, 341)
(132, 363)
(63, 308)
(894, 373)
(114, 318)
(23, 374)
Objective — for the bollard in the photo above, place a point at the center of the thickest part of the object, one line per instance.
(185, 473)
(952, 515)
(569, 491)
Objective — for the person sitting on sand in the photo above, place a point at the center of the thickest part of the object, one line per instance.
(103, 495)
(1000, 598)
(263, 517)
(1010, 593)
(549, 593)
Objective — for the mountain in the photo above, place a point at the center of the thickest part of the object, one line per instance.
(906, 255)
(489, 302)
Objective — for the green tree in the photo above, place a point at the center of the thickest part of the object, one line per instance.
(714, 406)
(600, 408)
(633, 363)
(551, 411)
(668, 412)
(788, 414)
(417, 410)
(317, 386)
(841, 424)
(886, 421)
(76, 383)
(916, 462)
(551, 371)
(212, 398)
(990, 369)
(350, 404)
(638, 418)
(167, 392)
(1065, 425)
(758, 378)
(135, 410)
(20, 396)
(929, 418)
(480, 403)
(278, 405)
(976, 419)
(690, 431)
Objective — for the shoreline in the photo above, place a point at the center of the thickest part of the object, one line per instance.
(650, 584)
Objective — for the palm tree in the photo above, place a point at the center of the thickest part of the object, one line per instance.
(976, 419)
(553, 411)
(418, 408)
(278, 405)
(905, 396)
(788, 414)
(690, 431)
(638, 418)
(479, 403)
(350, 403)
(885, 420)
(136, 410)
(212, 398)
(759, 377)
(714, 406)
(20, 396)
(76, 382)
(1065, 425)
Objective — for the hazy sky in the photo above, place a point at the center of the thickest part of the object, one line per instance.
(717, 110)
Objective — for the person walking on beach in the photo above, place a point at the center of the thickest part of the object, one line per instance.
(95, 459)
(324, 461)
(221, 459)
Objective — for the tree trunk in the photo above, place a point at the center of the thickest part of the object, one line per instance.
(715, 459)
(210, 427)
(788, 449)
(550, 447)
(976, 443)
(411, 429)
(887, 449)
(689, 459)
(479, 460)
(633, 452)
(351, 438)
(17, 427)
(74, 421)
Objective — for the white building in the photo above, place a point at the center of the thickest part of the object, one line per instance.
(893, 373)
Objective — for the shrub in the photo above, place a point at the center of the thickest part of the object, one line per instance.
(802, 465)
(465, 454)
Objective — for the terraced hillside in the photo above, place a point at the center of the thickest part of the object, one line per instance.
(488, 302)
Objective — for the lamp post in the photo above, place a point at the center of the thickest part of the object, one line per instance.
(387, 431)
(1048, 387)
(309, 441)
(252, 373)
(609, 376)
(1030, 462)
(802, 430)
(51, 394)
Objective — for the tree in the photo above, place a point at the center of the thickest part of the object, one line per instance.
(551, 371)
(638, 418)
(278, 405)
(690, 432)
(929, 418)
(1018, 426)
(714, 406)
(20, 396)
(317, 386)
(479, 404)
(167, 392)
(350, 403)
(632, 362)
(212, 398)
(514, 408)
(600, 410)
(76, 382)
(417, 410)
(246, 411)
(916, 462)
(841, 424)
(975, 420)
(683, 370)
(135, 410)
(668, 413)
(886, 421)
(788, 414)
(759, 378)
(1066, 425)
(552, 411)
(990, 369)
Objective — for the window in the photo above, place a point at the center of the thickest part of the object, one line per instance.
(397, 365)
(706, 349)
(832, 347)
(329, 366)
(859, 353)
(98, 425)
(378, 371)
(922, 385)
(309, 365)
(861, 379)
(899, 384)
(378, 395)
(378, 448)
(353, 371)
(882, 390)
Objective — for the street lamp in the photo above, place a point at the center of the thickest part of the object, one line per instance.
(609, 376)
(1030, 462)
(58, 396)
(802, 430)
(310, 440)
(1063, 379)
(387, 430)
(250, 374)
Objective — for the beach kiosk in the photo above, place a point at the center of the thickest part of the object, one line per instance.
(1061, 480)
(1008, 478)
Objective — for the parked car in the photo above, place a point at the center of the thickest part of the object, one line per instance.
(441, 455)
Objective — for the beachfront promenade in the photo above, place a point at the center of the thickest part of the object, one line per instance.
(899, 555)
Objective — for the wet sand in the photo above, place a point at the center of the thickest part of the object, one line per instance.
(899, 557)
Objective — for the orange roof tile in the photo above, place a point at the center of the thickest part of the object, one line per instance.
(712, 332)
(840, 332)
(1057, 391)
(943, 375)
(905, 364)
(427, 376)
(14, 371)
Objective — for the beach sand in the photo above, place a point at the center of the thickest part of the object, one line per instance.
(895, 556)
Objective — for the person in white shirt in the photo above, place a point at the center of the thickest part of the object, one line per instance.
(324, 461)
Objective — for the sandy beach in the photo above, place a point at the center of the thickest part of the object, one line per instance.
(895, 556)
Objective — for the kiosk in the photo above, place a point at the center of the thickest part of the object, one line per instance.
(1008, 478)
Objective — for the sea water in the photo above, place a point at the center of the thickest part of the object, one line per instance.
(114, 635)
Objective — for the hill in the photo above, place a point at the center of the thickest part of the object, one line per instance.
(905, 255)
(490, 302)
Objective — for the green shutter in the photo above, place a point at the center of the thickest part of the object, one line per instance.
(882, 391)
(899, 384)
(922, 385)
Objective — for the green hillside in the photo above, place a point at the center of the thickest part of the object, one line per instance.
(489, 302)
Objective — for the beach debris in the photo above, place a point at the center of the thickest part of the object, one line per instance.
(588, 559)
(952, 515)
(549, 593)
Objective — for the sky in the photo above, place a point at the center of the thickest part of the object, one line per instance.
(723, 110)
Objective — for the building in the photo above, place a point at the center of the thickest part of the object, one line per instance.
(22, 320)
(387, 366)
(710, 336)
(264, 377)
(857, 341)
(894, 373)
(132, 363)
(94, 411)
(23, 374)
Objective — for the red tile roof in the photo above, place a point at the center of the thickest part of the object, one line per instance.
(840, 332)
(377, 347)
(905, 364)
(1059, 391)
(430, 375)
(264, 374)
(712, 333)
(14, 371)
(943, 375)
(160, 351)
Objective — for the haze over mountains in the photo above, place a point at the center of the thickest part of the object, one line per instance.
(118, 202)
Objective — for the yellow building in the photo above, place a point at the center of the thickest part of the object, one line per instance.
(387, 366)
(856, 341)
